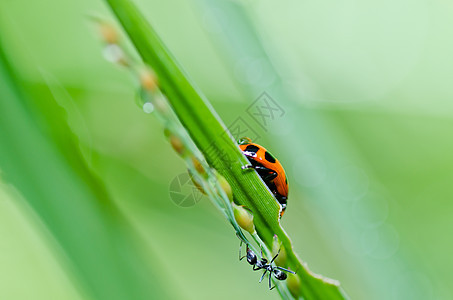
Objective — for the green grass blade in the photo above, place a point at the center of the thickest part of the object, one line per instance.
(105, 254)
(216, 143)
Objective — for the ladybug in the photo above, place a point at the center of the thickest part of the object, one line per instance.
(269, 169)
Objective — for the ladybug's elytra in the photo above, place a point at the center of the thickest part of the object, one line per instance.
(269, 169)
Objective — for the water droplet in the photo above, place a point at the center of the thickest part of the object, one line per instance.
(113, 53)
(148, 107)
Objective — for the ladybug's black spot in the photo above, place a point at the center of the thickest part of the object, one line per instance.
(269, 157)
(252, 148)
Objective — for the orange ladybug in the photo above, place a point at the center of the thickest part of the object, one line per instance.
(269, 169)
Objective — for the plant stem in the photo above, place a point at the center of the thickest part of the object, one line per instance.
(217, 144)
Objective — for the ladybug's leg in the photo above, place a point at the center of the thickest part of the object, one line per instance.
(249, 166)
(270, 177)
(265, 173)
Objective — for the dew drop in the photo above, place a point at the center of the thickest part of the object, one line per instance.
(113, 53)
(148, 107)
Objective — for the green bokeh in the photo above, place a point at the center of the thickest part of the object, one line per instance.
(365, 141)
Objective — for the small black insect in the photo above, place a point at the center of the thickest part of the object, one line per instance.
(252, 259)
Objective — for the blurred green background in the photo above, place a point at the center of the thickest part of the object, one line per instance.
(85, 211)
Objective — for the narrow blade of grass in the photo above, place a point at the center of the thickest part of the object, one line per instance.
(105, 254)
(216, 143)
